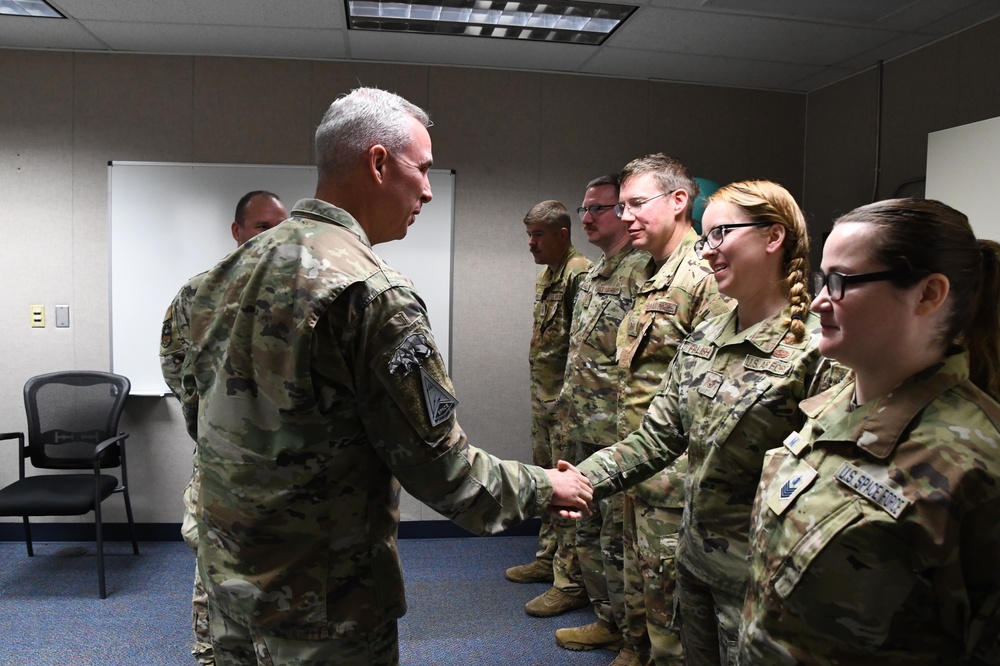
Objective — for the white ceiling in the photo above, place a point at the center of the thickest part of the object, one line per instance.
(793, 45)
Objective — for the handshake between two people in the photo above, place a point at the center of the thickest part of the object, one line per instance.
(571, 492)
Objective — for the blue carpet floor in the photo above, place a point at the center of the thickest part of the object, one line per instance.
(461, 608)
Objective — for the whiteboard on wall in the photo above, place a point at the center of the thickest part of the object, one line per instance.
(171, 221)
(963, 167)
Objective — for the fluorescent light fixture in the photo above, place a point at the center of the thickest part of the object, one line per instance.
(38, 8)
(554, 21)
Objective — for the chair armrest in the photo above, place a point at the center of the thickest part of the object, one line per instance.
(19, 436)
(120, 437)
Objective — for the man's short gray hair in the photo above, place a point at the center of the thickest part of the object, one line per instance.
(359, 120)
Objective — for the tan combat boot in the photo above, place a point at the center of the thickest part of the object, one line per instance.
(599, 634)
(555, 602)
(536, 572)
(626, 658)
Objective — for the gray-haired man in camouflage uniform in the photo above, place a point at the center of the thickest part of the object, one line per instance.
(548, 227)
(320, 391)
(589, 398)
(256, 212)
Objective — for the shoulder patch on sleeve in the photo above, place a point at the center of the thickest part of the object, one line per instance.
(409, 355)
(440, 403)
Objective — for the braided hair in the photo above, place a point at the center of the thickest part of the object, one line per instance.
(764, 201)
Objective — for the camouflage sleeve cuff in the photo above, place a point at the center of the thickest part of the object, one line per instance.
(543, 488)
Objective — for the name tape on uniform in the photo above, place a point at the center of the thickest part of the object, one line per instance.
(701, 351)
(769, 365)
(666, 307)
(878, 491)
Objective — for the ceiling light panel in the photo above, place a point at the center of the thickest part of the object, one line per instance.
(574, 22)
(37, 8)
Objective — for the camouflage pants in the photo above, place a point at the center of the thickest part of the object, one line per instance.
(202, 648)
(557, 537)
(650, 540)
(543, 427)
(710, 621)
(599, 546)
(237, 645)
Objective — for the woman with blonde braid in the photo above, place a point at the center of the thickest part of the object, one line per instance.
(730, 394)
(876, 531)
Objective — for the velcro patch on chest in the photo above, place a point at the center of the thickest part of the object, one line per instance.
(783, 490)
(710, 384)
(881, 491)
(666, 307)
(701, 351)
(769, 365)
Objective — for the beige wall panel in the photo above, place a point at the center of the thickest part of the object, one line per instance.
(941, 86)
(840, 153)
(36, 137)
(487, 130)
(702, 126)
(252, 111)
(776, 135)
(590, 127)
(135, 108)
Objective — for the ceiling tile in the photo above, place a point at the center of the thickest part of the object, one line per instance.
(744, 36)
(220, 40)
(35, 33)
(263, 13)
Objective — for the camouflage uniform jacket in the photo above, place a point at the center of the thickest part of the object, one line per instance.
(589, 399)
(667, 309)
(555, 292)
(319, 386)
(876, 531)
(728, 397)
(175, 339)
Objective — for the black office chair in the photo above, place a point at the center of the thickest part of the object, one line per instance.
(72, 425)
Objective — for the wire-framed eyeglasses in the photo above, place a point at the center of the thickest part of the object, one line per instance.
(593, 209)
(714, 238)
(836, 282)
(636, 205)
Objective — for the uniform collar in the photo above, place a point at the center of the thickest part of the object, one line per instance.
(765, 335)
(878, 425)
(321, 211)
(667, 269)
(607, 266)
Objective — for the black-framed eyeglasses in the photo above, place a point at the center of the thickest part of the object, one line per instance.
(714, 238)
(635, 206)
(836, 283)
(593, 209)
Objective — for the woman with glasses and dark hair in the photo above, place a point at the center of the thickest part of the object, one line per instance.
(876, 529)
(730, 394)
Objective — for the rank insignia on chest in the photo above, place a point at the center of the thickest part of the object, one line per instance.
(440, 403)
(786, 487)
(795, 443)
(409, 355)
(710, 384)
(881, 491)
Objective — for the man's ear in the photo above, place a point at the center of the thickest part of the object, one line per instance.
(679, 199)
(378, 158)
(933, 292)
(236, 231)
